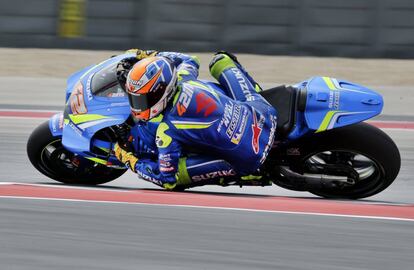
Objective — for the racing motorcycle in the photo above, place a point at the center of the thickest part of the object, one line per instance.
(322, 144)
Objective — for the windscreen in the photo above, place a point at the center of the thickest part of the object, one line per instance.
(105, 83)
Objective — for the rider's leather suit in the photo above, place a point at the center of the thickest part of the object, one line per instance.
(231, 130)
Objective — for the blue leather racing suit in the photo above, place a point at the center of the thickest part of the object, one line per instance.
(230, 131)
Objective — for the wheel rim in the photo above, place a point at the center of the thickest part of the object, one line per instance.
(368, 170)
(64, 166)
(55, 157)
(364, 166)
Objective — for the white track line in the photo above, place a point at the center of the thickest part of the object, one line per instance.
(212, 207)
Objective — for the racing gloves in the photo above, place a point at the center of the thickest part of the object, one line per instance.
(141, 54)
(126, 157)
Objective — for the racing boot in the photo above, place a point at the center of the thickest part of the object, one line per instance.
(256, 179)
(223, 60)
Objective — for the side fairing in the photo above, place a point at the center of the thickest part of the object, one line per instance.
(333, 103)
(79, 129)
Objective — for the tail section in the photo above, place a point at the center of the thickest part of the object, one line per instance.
(333, 103)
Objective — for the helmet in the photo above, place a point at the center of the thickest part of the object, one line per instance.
(150, 84)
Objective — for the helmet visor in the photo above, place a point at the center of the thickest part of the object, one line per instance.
(138, 102)
(142, 102)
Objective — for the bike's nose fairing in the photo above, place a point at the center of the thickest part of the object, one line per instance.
(333, 103)
(93, 104)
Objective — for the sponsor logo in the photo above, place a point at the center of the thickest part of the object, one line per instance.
(212, 175)
(334, 99)
(270, 141)
(235, 120)
(206, 103)
(149, 178)
(165, 157)
(76, 129)
(164, 161)
(168, 169)
(184, 99)
(121, 104)
(243, 84)
(116, 94)
(136, 83)
(227, 115)
(88, 88)
(257, 128)
(242, 127)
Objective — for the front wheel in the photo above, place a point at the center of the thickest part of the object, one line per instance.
(358, 160)
(49, 157)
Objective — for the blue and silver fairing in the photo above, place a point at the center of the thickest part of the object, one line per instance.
(333, 103)
(100, 111)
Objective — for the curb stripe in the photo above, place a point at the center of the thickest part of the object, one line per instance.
(190, 199)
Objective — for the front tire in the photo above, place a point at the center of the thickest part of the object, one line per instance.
(366, 149)
(49, 157)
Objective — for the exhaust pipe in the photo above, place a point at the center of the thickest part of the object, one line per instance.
(307, 182)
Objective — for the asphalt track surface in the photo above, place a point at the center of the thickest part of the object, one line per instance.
(79, 233)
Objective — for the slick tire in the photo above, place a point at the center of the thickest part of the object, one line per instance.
(361, 140)
(48, 156)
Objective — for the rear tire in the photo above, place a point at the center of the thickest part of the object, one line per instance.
(49, 157)
(359, 140)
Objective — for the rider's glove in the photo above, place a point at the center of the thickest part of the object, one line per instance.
(123, 68)
(125, 156)
(141, 54)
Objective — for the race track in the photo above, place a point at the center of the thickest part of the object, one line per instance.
(42, 233)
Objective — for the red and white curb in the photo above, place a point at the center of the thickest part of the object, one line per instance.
(249, 203)
(27, 113)
(406, 125)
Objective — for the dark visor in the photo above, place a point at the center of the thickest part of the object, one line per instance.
(143, 102)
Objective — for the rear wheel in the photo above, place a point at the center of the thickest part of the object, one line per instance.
(49, 157)
(361, 159)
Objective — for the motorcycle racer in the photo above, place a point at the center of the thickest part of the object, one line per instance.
(235, 127)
